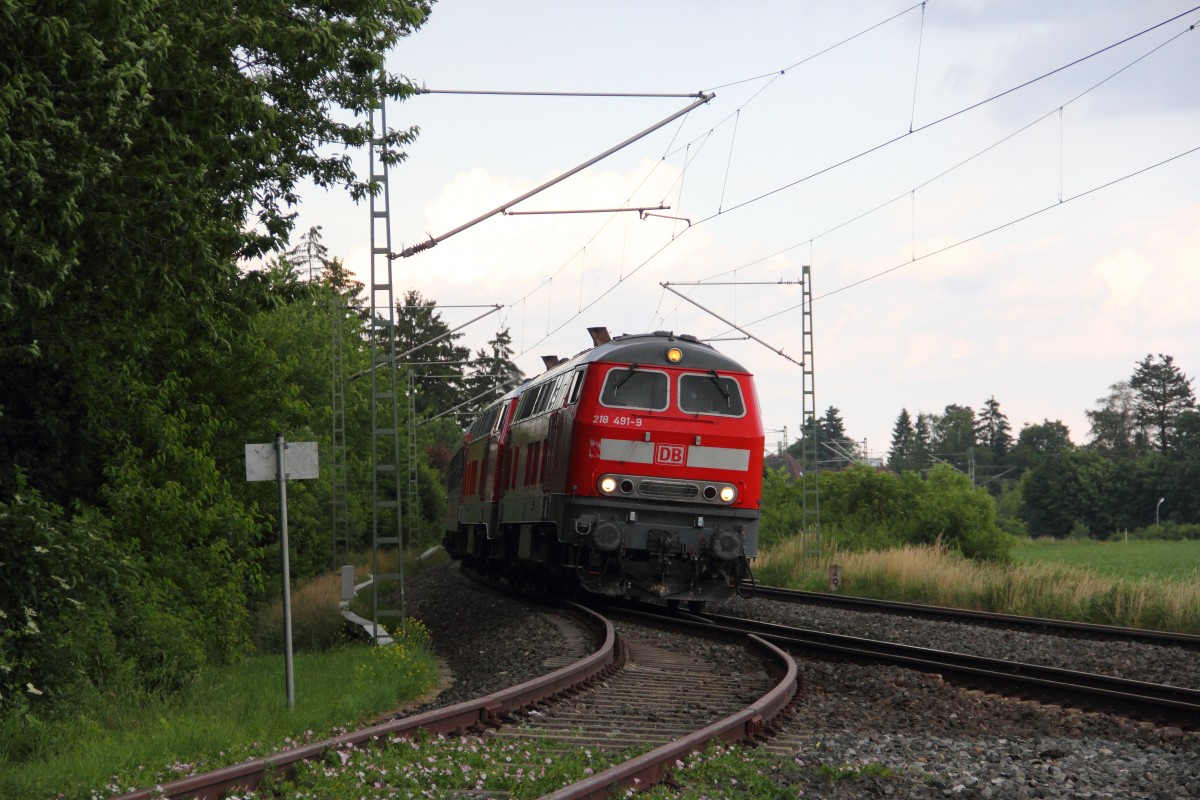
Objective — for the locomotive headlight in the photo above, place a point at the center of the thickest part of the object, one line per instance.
(608, 484)
(728, 494)
(674, 355)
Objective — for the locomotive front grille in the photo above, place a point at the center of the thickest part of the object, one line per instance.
(671, 489)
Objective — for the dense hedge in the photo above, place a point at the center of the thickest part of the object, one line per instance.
(863, 508)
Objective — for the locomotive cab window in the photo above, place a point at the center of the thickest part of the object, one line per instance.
(631, 387)
(710, 394)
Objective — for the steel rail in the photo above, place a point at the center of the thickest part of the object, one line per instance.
(1173, 703)
(748, 724)
(1169, 638)
(474, 714)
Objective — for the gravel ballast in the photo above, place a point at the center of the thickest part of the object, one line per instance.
(868, 731)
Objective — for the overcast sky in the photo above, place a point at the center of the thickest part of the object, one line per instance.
(935, 281)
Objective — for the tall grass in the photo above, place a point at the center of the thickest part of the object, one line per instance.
(317, 624)
(1058, 591)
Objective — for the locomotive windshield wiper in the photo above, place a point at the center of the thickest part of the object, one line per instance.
(617, 387)
(716, 379)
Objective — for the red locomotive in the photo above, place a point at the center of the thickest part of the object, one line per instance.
(633, 469)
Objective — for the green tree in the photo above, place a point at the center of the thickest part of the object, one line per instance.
(922, 442)
(992, 430)
(310, 256)
(145, 150)
(341, 280)
(1182, 474)
(1112, 423)
(437, 364)
(1162, 393)
(148, 147)
(1070, 494)
(493, 372)
(838, 450)
(954, 434)
(901, 451)
(1038, 442)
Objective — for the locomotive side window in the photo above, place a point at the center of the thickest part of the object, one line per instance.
(546, 396)
(560, 390)
(710, 394)
(631, 387)
(484, 422)
(527, 402)
(576, 387)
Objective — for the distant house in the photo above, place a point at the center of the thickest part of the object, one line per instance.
(783, 461)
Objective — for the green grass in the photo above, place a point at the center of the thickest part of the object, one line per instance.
(426, 766)
(229, 714)
(1133, 559)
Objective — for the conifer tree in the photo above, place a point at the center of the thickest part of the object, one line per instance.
(900, 454)
(1163, 392)
(493, 371)
(992, 429)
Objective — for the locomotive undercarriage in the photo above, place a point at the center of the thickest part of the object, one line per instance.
(659, 552)
(653, 552)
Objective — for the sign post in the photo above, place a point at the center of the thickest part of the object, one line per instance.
(280, 461)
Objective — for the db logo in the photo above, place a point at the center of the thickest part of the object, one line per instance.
(669, 454)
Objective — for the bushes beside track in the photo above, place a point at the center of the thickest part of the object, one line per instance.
(863, 508)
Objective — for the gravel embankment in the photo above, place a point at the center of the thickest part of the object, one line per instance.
(926, 739)
(488, 640)
(1175, 666)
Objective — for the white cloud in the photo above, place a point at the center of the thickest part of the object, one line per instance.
(1044, 313)
(1124, 274)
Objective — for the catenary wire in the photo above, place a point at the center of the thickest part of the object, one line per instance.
(1057, 110)
(867, 152)
(947, 117)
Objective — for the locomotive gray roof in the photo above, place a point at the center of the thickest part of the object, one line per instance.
(645, 349)
(650, 349)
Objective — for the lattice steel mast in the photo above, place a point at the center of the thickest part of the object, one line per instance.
(811, 518)
(340, 521)
(387, 527)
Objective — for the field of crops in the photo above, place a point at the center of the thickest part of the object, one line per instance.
(1134, 559)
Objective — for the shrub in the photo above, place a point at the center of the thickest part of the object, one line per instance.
(58, 626)
(868, 509)
(1167, 531)
(317, 623)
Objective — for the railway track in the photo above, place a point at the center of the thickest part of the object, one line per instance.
(1009, 621)
(1151, 701)
(666, 699)
(626, 692)
(473, 715)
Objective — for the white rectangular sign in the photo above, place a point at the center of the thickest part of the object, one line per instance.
(299, 459)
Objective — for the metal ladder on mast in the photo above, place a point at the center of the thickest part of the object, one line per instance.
(338, 485)
(810, 532)
(414, 495)
(387, 527)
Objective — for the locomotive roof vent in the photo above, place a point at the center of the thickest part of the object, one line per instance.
(599, 335)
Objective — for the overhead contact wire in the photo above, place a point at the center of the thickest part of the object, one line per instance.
(948, 117)
(775, 75)
(805, 60)
(988, 232)
(917, 71)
